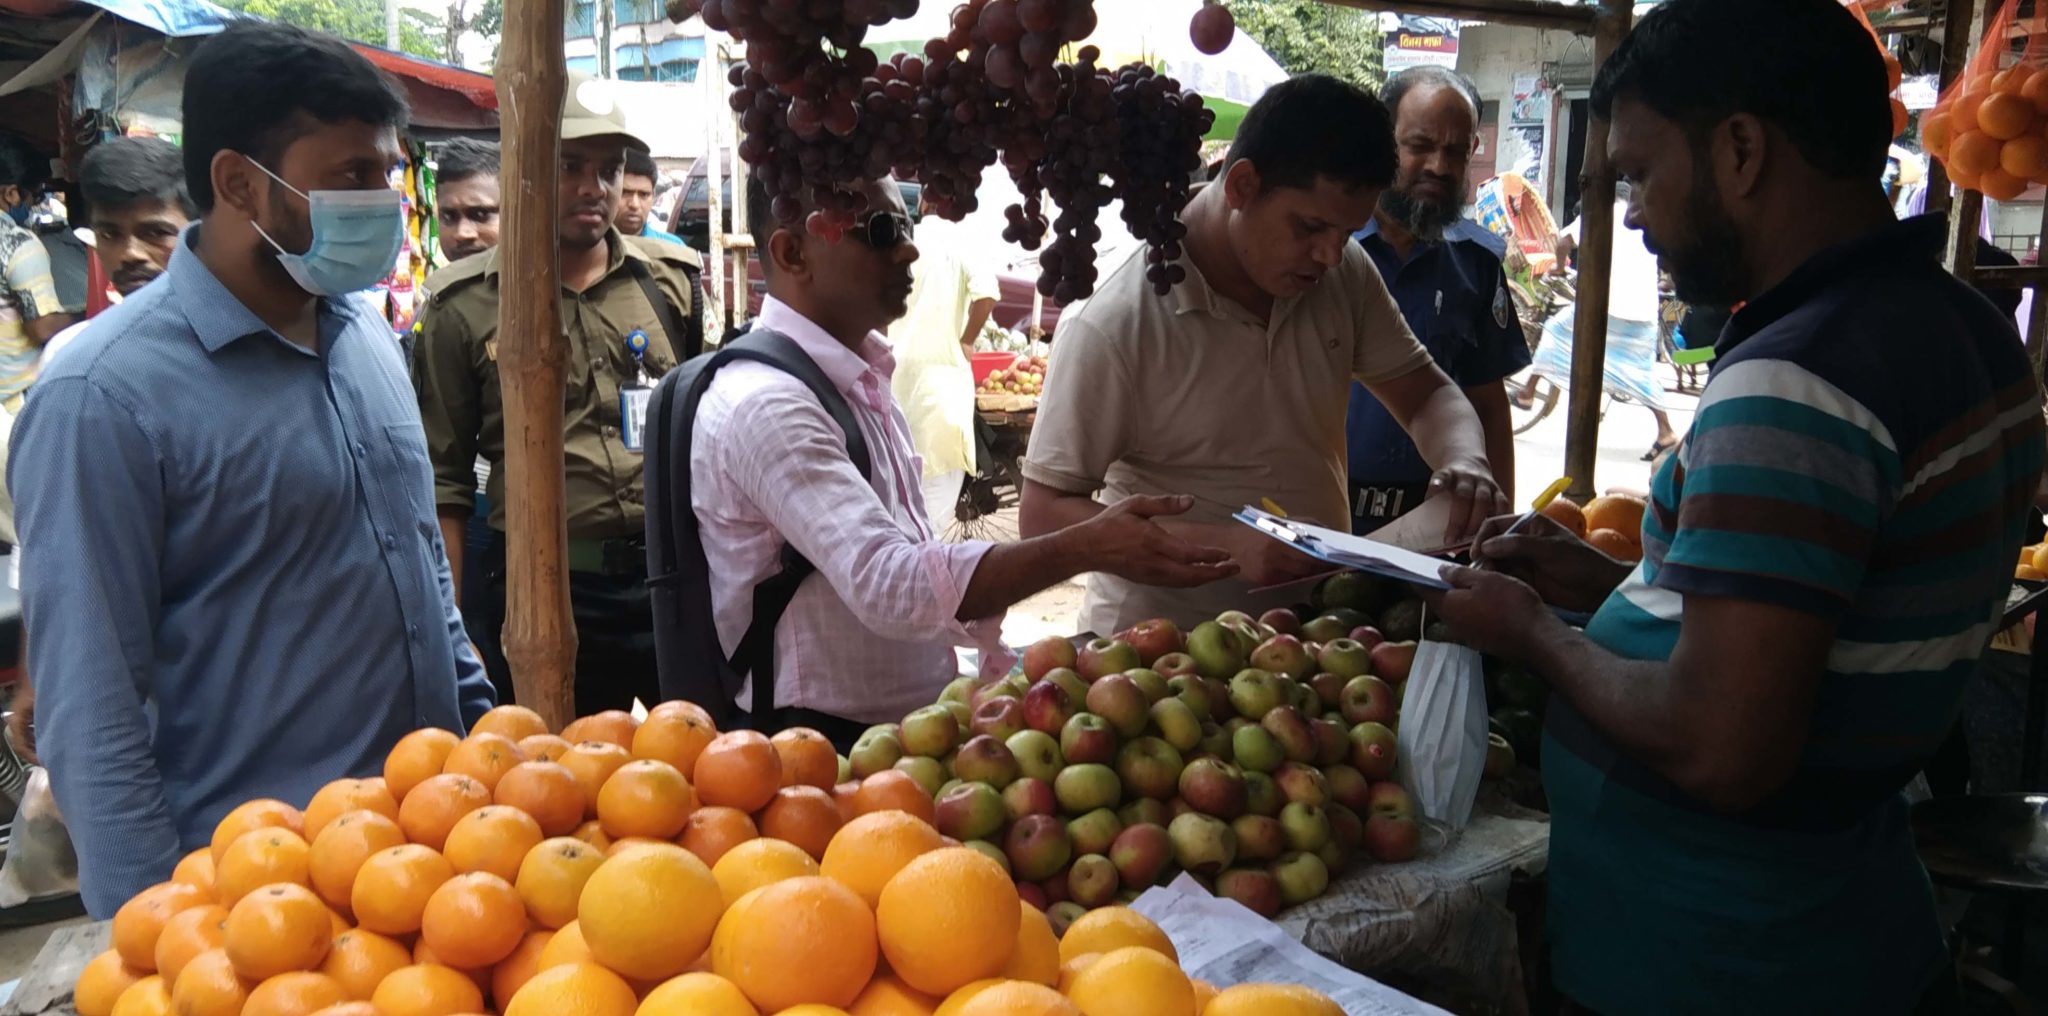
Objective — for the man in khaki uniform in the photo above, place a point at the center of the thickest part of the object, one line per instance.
(629, 316)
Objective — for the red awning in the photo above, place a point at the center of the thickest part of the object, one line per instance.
(481, 90)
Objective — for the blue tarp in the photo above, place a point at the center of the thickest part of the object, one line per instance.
(176, 18)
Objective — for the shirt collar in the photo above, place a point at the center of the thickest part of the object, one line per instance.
(1195, 295)
(1919, 237)
(617, 250)
(842, 365)
(217, 317)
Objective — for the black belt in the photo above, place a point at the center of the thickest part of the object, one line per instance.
(621, 557)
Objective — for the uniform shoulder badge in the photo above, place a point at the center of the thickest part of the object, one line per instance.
(1503, 307)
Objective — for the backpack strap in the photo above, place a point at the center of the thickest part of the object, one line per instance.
(675, 542)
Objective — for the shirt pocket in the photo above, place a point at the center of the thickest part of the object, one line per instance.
(408, 479)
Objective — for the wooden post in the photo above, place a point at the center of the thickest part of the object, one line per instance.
(1596, 264)
(540, 631)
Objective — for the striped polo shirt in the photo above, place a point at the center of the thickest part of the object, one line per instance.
(1866, 451)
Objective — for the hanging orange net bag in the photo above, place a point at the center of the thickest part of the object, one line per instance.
(1990, 127)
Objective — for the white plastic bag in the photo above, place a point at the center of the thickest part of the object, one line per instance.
(1443, 732)
(40, 861)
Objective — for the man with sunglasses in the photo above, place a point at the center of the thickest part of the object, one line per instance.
(628, 316)
(870, 636)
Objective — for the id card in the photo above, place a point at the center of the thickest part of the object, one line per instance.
(633, 415)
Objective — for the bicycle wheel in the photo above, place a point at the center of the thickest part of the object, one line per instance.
(1544, 395)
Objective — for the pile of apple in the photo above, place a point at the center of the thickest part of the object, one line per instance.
(1025, 377)
(1255, 754)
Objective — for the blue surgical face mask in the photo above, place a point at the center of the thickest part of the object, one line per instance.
(356, 238)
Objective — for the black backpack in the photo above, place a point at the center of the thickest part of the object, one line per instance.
(692, 663)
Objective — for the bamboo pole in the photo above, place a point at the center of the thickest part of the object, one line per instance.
(1596, 264)
(540, 631)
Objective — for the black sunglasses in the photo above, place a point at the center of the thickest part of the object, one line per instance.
(883, 230)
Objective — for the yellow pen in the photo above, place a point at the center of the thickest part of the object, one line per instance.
(1550, 494)
(1273, 507)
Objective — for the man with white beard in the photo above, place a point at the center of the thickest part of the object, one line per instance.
(1444, 272)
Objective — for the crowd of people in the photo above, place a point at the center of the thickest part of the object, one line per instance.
(256, 548)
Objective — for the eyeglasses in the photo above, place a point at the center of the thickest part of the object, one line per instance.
(883, 230)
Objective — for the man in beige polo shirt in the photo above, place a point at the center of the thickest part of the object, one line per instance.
(1233, 387)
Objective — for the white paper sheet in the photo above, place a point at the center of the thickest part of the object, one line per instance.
(1225, 944)
(1361, 552)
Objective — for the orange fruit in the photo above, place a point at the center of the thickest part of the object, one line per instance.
(739, 769)
(2005, 115)
(887, 995)
(551, 879)
(1962, 111)
(510, 721)
(433, 807)
(675, 733)
(518, 968)
(566, 947)
(2029, 573)
(493, 838)
(713, 831)
(1973, 152)
(1014, 998)
(2035, 90)
(947, 919)
(803, 815)
(543, 748)
(262, 858)
(341, 848)
(356, 1008)
(1566, 512)
(188, 933)
(196, 869)
(485, 758)
(473, 920)
(1272, 1000)
(1999, 185)
(592, 763)
(545, 790)
(614, 725)
(140, 921)
(1900, 117)
(101, 982)
(1037, 956)
(2039, 557)
(698, 994)
(297, 993)
(146, 997)
(278, 929)
(423, 955)
(645, 797)
(808, 758)
(2025, 158)
(392, 888)
(424, 989)
(796, 941)
(1205, 993)
(892, 789)
(360, 960)
(1616, 511)
(757, 863)
(872, 848)
(251, 816)
(1615, 544)
(629, 843)
(208, 986)
(1937, 133)
(843, 796)
(649, 912)
(585, 989)
(1133, 981)
(343, 796)
(1111, 928)
(1963, 179)
(593, 833)
(417, 756)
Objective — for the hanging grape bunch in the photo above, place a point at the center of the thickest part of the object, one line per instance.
(821, 113)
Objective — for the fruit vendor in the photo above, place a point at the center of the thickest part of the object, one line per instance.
(237, 589)
(628, 314)
(1825, 556)
(1233, 387)
(870, 636)
(1444, 272)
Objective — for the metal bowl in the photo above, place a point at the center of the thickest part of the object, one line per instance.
(1985, 841)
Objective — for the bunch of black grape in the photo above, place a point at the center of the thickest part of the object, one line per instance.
(1161, 129)
(964, 119)
(1083, 146)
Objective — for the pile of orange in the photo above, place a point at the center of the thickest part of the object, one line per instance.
(1614, 525)
(2033, 563)
(1992, 131)
(661, 895)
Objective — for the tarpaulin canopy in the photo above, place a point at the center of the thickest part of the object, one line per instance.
(175, 18)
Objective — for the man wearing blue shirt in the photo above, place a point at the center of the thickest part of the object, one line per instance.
(1444, 272)
(636, 198)
(239, 588)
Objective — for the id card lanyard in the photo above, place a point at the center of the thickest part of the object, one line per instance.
(633, 398)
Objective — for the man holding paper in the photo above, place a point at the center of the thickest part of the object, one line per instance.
(1232, 386)
(1826, 556)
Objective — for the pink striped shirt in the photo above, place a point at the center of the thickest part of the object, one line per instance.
(870, 636)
